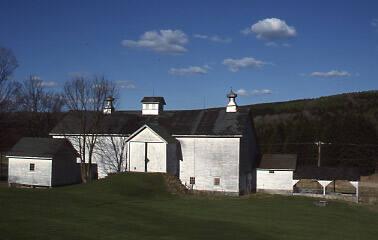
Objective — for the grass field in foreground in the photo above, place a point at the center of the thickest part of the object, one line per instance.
(137, 206)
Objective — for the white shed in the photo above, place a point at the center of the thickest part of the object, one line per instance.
(275, 173)
(43, 162)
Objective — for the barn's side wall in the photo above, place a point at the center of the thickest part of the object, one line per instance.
(280, 180)
(207, 158)
(249, 158)
(172, 159)
(19, 171)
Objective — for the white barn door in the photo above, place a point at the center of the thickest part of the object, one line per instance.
(137, 156)
(156, 157)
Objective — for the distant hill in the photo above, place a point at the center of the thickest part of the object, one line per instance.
(349, 122)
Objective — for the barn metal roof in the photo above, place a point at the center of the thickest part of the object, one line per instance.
(38, 147)
(214, 121)
(278, 161)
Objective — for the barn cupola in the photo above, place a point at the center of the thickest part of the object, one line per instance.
(108, 106)
(231, 106)
(152, 105)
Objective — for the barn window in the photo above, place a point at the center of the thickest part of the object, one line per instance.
(32, 167)
(192, 180)
(271, 171)
(217, 181)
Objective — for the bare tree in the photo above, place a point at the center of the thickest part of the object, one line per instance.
(33, 96)
(8, 63)
(85, 96)
(39, 104)
(112, 153)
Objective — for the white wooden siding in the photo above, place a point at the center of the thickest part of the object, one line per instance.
(209, 158)
(19, 171)
(146, 135)
(279, 180)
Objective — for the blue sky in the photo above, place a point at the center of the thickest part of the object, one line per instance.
(192, 52)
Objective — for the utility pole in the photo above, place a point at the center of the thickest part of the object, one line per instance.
(319, 143)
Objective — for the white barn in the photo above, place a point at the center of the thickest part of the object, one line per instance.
(43, 162)
(207, 149)
(275, 173)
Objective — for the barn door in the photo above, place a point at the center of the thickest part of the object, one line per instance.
(145, 157)
(137, 156)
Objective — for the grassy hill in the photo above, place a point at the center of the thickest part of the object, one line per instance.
(138, 206)
(348, 121)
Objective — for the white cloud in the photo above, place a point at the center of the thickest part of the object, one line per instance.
(126, 84)
(191, 70)
(275, 44)
(163, 41)
(246, 31)
(214, 38)
(374, 23)
(49, 84)
(242, 92)
(271, 44)
(273, 29)
(256, 92)
(261, 92)
(235, 65)
(331, 74)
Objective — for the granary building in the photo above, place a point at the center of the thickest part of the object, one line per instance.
(211, 149)
(43, 162)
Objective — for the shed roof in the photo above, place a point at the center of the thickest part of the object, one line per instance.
(38, 147)
(327, 173)
(278, 161)
(214, 121)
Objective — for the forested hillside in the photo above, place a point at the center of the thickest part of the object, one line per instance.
(346, 123)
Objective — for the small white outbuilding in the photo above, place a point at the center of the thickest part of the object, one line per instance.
(44, 162)
(275, 173)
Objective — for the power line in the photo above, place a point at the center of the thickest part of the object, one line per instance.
(316, 143)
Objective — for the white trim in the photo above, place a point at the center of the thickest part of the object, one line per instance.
(26, 157)
(142, 128)
(275, 169)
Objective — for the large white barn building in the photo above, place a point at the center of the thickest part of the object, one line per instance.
(207, 149)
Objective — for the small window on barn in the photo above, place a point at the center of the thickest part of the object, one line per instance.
(192, 180)
(271, 171)
(31, 166)
(217, 181)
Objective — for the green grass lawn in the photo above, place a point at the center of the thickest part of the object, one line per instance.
(137, 206)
